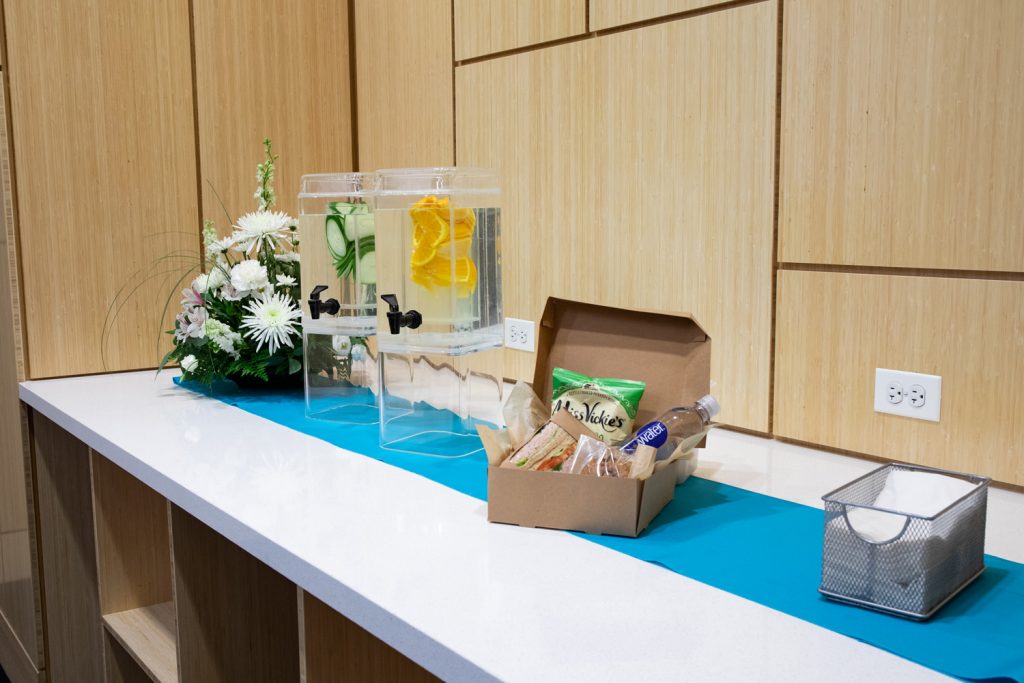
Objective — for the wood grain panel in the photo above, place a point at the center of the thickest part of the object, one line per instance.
(15, 662)
(270, 68)
(337, 649)
(237, 618)
(609, 13)
(119, 664)
(19, 597)
(903, 134)
(101, 106)
(133, 552)
(834, 329)
(74, 633)
(404, 83)
(651, 192)
(486, 26)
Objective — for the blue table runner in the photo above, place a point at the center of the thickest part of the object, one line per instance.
(755, 546)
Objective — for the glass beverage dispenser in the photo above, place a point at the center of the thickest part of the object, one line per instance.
(337, 244)
(439, 320)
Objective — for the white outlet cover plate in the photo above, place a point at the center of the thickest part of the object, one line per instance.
(520, 335)
(933, 394)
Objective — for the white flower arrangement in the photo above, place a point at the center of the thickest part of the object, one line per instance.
(241, 319)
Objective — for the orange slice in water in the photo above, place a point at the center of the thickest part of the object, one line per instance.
(423, 254)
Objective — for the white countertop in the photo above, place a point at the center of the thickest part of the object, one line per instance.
(418, 565)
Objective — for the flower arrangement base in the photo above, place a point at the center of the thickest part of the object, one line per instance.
(275, 382)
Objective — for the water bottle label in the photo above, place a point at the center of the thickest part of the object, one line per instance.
(653, 434)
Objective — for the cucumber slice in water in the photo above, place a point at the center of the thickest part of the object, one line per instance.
(336, 242)
(368, 269)
(358, 226)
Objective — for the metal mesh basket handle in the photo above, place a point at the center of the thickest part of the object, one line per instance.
(853, 528)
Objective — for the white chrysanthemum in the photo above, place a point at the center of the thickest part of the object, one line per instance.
(189, 363)
(206, 282)
(286, 280)
(221, 246)
(261, 227)
(288, 257)
(248, 277)
(272, 321)
(223, 336)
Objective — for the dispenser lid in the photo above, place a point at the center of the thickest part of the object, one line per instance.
(437, 180)
(337, 184)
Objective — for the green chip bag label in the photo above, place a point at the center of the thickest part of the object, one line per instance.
(607, 406)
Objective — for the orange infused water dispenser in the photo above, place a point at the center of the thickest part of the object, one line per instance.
(439, 319)
(337, 243)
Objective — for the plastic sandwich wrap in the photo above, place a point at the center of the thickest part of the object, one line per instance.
(524, 415)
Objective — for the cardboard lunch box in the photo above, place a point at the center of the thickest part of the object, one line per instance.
(668, 351)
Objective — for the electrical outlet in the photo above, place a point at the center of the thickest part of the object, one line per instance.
(519, 334)
(909, 394)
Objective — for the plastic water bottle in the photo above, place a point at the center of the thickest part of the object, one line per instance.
(675, 426)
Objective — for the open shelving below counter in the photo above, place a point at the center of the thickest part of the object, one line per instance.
(417, 565)
(148, 635)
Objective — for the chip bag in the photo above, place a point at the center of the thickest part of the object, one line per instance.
(607, 406)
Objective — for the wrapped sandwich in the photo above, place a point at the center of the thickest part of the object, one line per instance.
(550, 446)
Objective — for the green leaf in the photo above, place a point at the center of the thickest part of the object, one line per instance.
(293, 366)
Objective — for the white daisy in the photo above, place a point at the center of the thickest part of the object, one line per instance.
(189, 363)
(261, 227)
(286, 280)
(272, 321)
(249, 276)
(219, 247)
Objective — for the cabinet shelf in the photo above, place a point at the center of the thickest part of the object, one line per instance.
(148, 634)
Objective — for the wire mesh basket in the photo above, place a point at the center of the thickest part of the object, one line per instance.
(917, 571)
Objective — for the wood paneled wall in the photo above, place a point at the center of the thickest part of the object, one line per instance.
(652, 192)
(902, 159)
(487, 26)
(834, 329)
(902, 135)
(270, 68)
(101, 106)
(403, 53)
(611, 13)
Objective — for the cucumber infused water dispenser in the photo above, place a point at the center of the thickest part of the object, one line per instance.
(440, 328)
(337, 244)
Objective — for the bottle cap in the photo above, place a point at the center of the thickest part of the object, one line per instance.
(709, 404)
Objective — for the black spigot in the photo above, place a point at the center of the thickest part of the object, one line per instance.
(396, 319)
(316, 307)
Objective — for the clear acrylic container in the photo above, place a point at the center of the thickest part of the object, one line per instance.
(342, 376)
(338, 275)
(440, 256)
(432, 404)
(440, 328)
(337, 242)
